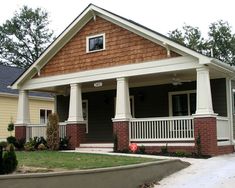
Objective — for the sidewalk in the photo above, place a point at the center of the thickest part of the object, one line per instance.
(216, 172)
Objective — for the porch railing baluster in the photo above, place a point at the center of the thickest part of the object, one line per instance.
(162, 129)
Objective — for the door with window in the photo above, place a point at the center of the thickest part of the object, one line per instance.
(182, 103)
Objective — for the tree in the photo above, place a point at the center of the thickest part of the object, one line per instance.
(219, 44)
(24, 37)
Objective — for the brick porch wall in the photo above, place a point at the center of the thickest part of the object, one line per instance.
(77, 134)
(121, 130)
(20, 132)
(206, 127)
(157, 149)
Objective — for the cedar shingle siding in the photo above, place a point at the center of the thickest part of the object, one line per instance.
(122, 47)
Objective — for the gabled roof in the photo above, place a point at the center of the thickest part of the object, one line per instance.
(90, 13)
(8, 75)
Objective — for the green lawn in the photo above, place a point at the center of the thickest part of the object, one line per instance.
(54, 159)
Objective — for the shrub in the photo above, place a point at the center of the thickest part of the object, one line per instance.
(29, 146)
(9, 161)
(3, 144)
(53, 138)
(19, 144)
(41, 147)
(11, 140)
(181, 154)
(164, 149)
(64, 143)
(34, 142)
(199, 146)
(10, 127)
(141, 150)
(115, 143)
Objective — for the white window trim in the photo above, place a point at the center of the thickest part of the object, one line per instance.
(45, 109)
(86, 121)
(93, 36)
(170, 94)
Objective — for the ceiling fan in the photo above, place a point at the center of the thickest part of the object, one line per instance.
(176, 81)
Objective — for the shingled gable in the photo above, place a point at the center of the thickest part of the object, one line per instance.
(54, 61)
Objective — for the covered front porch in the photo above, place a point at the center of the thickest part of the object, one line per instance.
(172, 107)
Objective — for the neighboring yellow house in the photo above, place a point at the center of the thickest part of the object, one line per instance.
(40, 104)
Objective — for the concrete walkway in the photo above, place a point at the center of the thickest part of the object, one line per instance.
(216, 172)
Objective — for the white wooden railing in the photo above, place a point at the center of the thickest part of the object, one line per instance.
(222, 127)
(162, 129)
(39, 130)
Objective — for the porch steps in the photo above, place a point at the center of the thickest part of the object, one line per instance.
(95, 148)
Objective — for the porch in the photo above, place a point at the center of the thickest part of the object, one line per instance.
(153, 110)
(174, 131)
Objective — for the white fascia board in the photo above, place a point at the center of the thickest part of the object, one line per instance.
(11, 95)
(153, 67)
(145, 32)
(62, 39)
(223, 66)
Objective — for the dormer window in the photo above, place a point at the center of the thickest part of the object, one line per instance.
(95, 43)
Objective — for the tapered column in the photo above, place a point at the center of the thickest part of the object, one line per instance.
(75, 104)
(75, 128)
(122, 115)
(123, 111)
(205, 118)
(23, 108)
(23, 116)
(204, 99)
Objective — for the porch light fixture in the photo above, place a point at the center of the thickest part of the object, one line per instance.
(98, 84)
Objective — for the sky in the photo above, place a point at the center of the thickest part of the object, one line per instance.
(159, 15)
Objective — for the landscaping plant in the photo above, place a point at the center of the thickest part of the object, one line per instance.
(9, 161)
(53, 139)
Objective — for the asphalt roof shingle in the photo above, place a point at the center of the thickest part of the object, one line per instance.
(8, 75)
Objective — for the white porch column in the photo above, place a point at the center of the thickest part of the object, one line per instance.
(204, 99)
(23, 108)
(123, 110)
(75, 104)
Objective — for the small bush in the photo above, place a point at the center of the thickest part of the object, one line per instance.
(11, 140)
(53, 139)
(141, 150)
(164, 149)
(10, 127)
(19, 144)
(9, 161)
(64, 143)
(42, 147)
(181, 154)
(29, 146)
(3, 144)
(115, 143)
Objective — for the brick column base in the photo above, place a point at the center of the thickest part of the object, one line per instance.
(20, 132)
(121, 130)
(76, 133)
(206, 127)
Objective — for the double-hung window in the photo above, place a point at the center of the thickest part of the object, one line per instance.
(44, 113)
(182, 103)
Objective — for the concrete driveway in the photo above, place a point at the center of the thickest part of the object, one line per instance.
(216, 172)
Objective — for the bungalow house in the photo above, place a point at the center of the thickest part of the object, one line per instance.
(114, 77)
(40, 104)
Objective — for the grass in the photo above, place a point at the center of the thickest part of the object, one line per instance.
(54, 159)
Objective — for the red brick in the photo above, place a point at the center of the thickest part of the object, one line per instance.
(77, 134)
(20, 132)
(121, 130)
